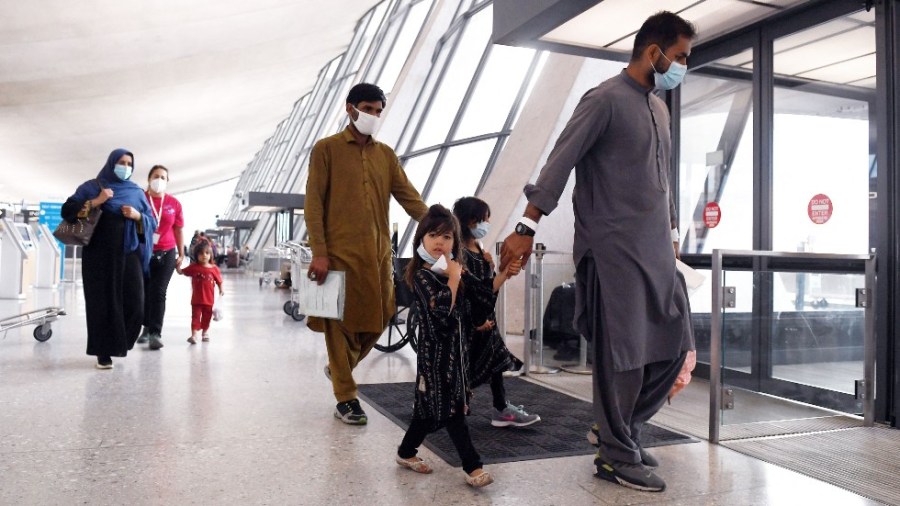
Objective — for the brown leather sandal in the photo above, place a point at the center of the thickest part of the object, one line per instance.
(418, 465)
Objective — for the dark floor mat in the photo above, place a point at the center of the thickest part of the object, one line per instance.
(561, 432)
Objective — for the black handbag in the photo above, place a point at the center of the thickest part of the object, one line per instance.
(79, 232)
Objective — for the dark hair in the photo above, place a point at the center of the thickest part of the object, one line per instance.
(365, 92)
(662, 29)
(467, 210)
(438, 219)
(200, 247)
(152, 169)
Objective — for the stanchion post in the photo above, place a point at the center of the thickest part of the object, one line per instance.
(526, 320)
(538, 309)
(581, 367)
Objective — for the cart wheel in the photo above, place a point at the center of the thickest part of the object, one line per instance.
(289, 307)
(43, 332)
(297, 315)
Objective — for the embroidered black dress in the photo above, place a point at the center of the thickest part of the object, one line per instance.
(441, 381)
(488, 353)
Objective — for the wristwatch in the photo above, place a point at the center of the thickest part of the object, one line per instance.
(523, 229)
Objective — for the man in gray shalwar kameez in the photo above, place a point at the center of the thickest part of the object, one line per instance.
(630, 301)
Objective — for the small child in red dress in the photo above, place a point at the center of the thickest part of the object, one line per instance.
(204, 276)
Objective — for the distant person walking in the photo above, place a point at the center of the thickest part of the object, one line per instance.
(205, 277)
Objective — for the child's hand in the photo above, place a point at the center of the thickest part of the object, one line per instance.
(221, 292)
(484, 327)
(514, 267)
(454, 269)
(178, 269)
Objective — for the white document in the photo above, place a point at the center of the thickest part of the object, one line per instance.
(692, 278)
(325, 300)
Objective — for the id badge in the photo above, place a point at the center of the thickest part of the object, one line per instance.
(155, 238)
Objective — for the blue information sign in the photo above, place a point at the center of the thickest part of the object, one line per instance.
(50, 216)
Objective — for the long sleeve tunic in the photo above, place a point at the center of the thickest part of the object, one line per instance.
(488, 353)
(441, 373)
(619, 143)
(347, 205)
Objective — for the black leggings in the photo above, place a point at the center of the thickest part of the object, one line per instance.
(458, 432)
(498, 391)
(162, 265)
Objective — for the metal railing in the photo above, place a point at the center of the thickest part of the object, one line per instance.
(788, 262)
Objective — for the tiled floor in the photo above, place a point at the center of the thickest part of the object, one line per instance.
(246, 419)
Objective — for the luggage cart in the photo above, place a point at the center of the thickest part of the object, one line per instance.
(301, 256)
(270, 261)
(43, 318)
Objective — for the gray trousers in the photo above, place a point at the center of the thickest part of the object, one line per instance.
(623, 401)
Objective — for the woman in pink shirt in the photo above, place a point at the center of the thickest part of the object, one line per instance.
(168, 248)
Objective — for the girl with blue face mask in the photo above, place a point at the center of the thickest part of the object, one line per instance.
(442, 385)
(488, 357)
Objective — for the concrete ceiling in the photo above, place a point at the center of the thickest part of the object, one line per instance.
(194, 85)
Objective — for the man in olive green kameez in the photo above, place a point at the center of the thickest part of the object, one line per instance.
(351, 179)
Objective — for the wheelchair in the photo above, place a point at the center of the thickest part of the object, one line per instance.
(404, 325)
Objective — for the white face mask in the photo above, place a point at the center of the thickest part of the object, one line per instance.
(366, 124)
(158, 185)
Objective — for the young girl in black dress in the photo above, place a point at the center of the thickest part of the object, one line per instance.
(488, 355)
(437, 279)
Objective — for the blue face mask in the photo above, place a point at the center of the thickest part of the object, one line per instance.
(672, 78)
(123, 172)
(425, 255)
(480, 230)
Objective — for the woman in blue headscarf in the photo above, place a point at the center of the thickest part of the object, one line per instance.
(114, 264)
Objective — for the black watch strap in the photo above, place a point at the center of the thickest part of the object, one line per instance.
(523, 229)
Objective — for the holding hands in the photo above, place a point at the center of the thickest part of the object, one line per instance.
(513, 268)
(515, 248)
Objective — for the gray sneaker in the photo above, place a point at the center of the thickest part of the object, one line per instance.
(512, 416)
(636, 476)
(593, 437)
(155, 342)
(144, 337)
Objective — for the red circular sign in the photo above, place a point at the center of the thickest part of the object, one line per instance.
(712, 214)
(820, 209)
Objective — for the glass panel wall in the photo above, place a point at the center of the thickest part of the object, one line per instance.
(716, 169)
(382, 40)
(457, 127)
(464, 113)
(824, 77)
